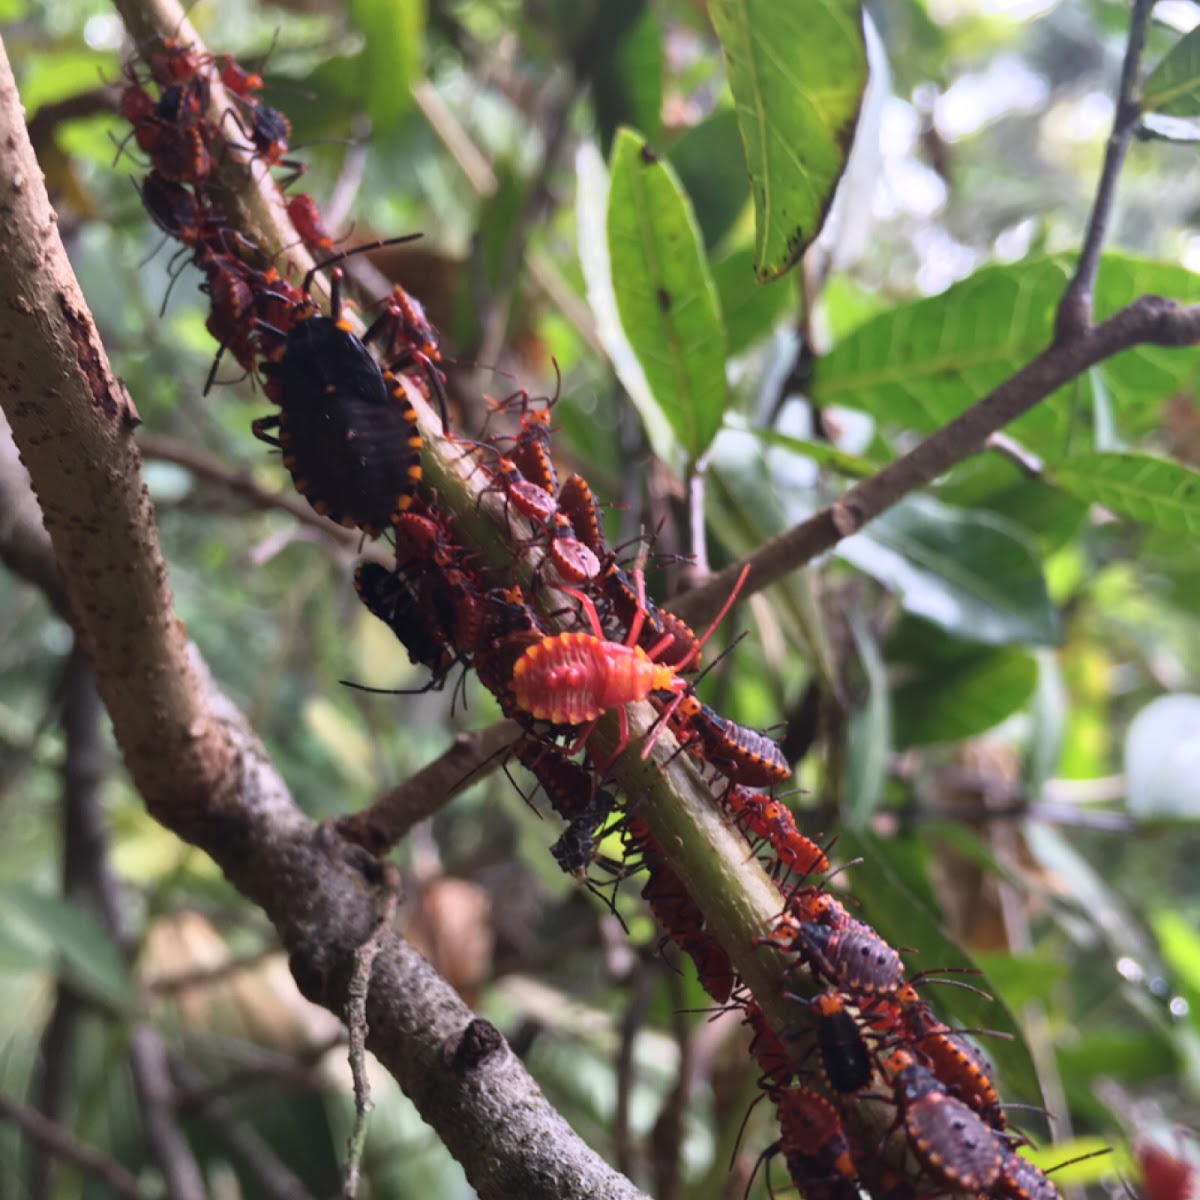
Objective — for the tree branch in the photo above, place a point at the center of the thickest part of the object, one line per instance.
(379, 827)
(201, 771)
(272, 1175)
(239, 483)
(1149, 320)
(1074, 316)
(61, 1144)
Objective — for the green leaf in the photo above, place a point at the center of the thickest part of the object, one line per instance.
(822, 453)
(966, 698)
(797, 72)
(1020, 978)
(1179, 944)
(89, 954)
(627, 75)
(664, 293)
(1049, 515)
(1152, 491)
(1174, 85)
(1080, 1161)
(393, 40)
(710, 162)
(752, 310)
(972, 573)
(591, 222)
(920, 364)
(869, 737)
(1140, 378)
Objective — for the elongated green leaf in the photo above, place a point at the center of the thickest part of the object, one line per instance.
(1140, 378)
(1050, 516)
(1174, 85)
(752, 310)
(393, 40)
(711, 166)
(1154, 491)
(920, 364)
(591, 220)
(89, 954)
(869, 737)
(964, 697)
(665, 295)
(625, 64)
(797, 71)
(972, 573)
(822, 453)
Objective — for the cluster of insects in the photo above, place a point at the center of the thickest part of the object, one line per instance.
(349, 438)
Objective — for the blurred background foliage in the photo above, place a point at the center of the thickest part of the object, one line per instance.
(993, 692)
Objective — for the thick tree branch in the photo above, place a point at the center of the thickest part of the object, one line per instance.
(202, 773)
(1149, 320)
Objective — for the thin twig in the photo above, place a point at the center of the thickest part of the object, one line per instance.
(239, 483)
(273, 1177)
(203, 977)
(379, 827)
(356, 1021)
(1149, 320)
(1074, 315)
(257, 1065)
(58, 1142)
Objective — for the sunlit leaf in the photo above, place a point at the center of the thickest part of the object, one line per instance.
(1173, 86)
(393, 41)
(822, 453)
(1154, 491)
(918, 365)
(972, 573)
(591, 214)
(1079, 1161)
(342, 739)
(1179, 944)
(664, 293)
(797, 72)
